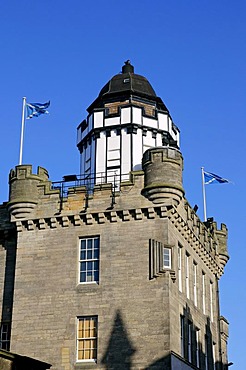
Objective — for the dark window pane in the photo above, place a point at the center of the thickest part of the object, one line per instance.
(96, 243)
(89, 254)
(89, 244)
(96, 253)
(96, 265)
(82, 255)
(83, 244)
(89, 265)
(82, 277)
(83, 266)
(96, 276)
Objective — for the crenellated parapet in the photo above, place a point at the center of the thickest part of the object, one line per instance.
(209, 242)
(155, 192)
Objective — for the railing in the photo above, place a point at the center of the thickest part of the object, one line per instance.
(89, 181)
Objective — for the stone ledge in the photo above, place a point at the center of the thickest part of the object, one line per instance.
(80, 219)
(87, 287)
(85, 365)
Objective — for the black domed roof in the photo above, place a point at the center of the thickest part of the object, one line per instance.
(128, 81)
(127, 84)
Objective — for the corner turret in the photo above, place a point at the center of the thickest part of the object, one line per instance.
(23, 189)
(163, 168)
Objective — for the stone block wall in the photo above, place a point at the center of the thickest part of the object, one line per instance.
(138, 316)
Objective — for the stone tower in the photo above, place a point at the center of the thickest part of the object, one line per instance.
(112, 269)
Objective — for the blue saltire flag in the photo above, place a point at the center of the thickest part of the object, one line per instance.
(36, 109)
(211, 178)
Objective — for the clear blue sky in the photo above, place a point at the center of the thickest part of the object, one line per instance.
(194, 55)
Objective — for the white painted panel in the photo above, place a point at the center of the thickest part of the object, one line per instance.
(113, 154)
(178, 139)
(98, 119)
(112, 121)
(113, 172)
(113, 142)
(174, 134)
(169, 124)
(113, 163)
(113, 176)
(137, 115)
(101, 154)
(163, 121)
(137, 150)
(158, 140)
(125, 154)
(148, 141)
(149, 122)
(125, 115)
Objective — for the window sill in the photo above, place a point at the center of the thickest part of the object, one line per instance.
(85, 365)
(87, 287)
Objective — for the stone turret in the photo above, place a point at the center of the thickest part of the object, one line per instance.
(23, 193)
(163, 174)
(222, 235)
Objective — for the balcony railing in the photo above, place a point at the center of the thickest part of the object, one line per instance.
(89, 181)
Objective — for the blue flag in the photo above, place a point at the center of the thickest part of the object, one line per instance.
(211, 178)
(36, 109)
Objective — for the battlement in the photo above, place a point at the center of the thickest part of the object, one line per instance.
(34, 198)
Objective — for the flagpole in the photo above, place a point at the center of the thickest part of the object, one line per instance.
(204, 196)
(22, 129)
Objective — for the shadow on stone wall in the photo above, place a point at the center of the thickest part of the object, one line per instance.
(120, 350)
(8, 287)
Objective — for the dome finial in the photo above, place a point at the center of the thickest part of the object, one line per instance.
(127, 68)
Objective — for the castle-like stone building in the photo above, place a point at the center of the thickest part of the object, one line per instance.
(113, 269)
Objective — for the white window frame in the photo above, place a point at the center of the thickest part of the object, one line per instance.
(211, 301)
(214, 355)
(204, 292)
(187, 275)
(87, 339)
(180, 268)
(89, 259)
(195, 282)
(182, 336)
(167, 258)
